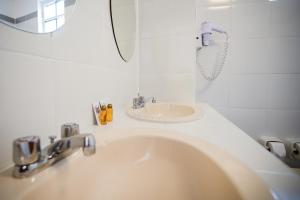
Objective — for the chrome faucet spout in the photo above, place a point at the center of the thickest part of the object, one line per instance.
(30, 159)
(89, 145)
(68, 145)
(140, 101)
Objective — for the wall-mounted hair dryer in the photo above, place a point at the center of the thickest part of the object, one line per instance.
(207, 29)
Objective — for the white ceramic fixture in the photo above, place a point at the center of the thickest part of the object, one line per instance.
(166, 112)
(140, 164)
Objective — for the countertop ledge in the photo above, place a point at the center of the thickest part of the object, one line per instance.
(217, 130)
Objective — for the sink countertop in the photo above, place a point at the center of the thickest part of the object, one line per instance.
(216, 129)
(213, 128)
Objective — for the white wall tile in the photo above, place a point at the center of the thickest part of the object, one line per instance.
(248, 91)
(27, 93)
(215, 93)
(170, 88)
(283, 123)
(252, 122)
(284, 92)
(167, 45)
(14, 40)
(251, 20)
(205, 3)
(75, 41)
(250, 56)
(285, 17)
(284, 54)
(263, 63)
(247, 1)
(166, 17)
(74, 103)
(171, 54)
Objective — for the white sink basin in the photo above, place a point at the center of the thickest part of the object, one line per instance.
(142, 164)
(166, 112)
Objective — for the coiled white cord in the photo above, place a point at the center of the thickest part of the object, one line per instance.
(219, 66)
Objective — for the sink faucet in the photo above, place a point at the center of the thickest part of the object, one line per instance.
(30, 159)
(140, 101)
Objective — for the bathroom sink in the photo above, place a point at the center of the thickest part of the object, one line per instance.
(166, 112)
(143, 164)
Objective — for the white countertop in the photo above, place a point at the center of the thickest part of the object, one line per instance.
(216, 129)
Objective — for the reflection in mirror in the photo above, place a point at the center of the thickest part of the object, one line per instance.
(123, 18)
(35, 16)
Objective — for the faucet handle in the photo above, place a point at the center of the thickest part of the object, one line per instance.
(52, 138)
(135, 102)
(89, 145)
(153, 100)
(69, 129)
(141, 99)
(26, 150)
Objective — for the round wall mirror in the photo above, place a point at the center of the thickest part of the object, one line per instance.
(123, 20)
(36, 16)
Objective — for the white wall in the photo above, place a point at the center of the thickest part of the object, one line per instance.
(6, 7)
(259, 89)
(47, 80)
(167, 55)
